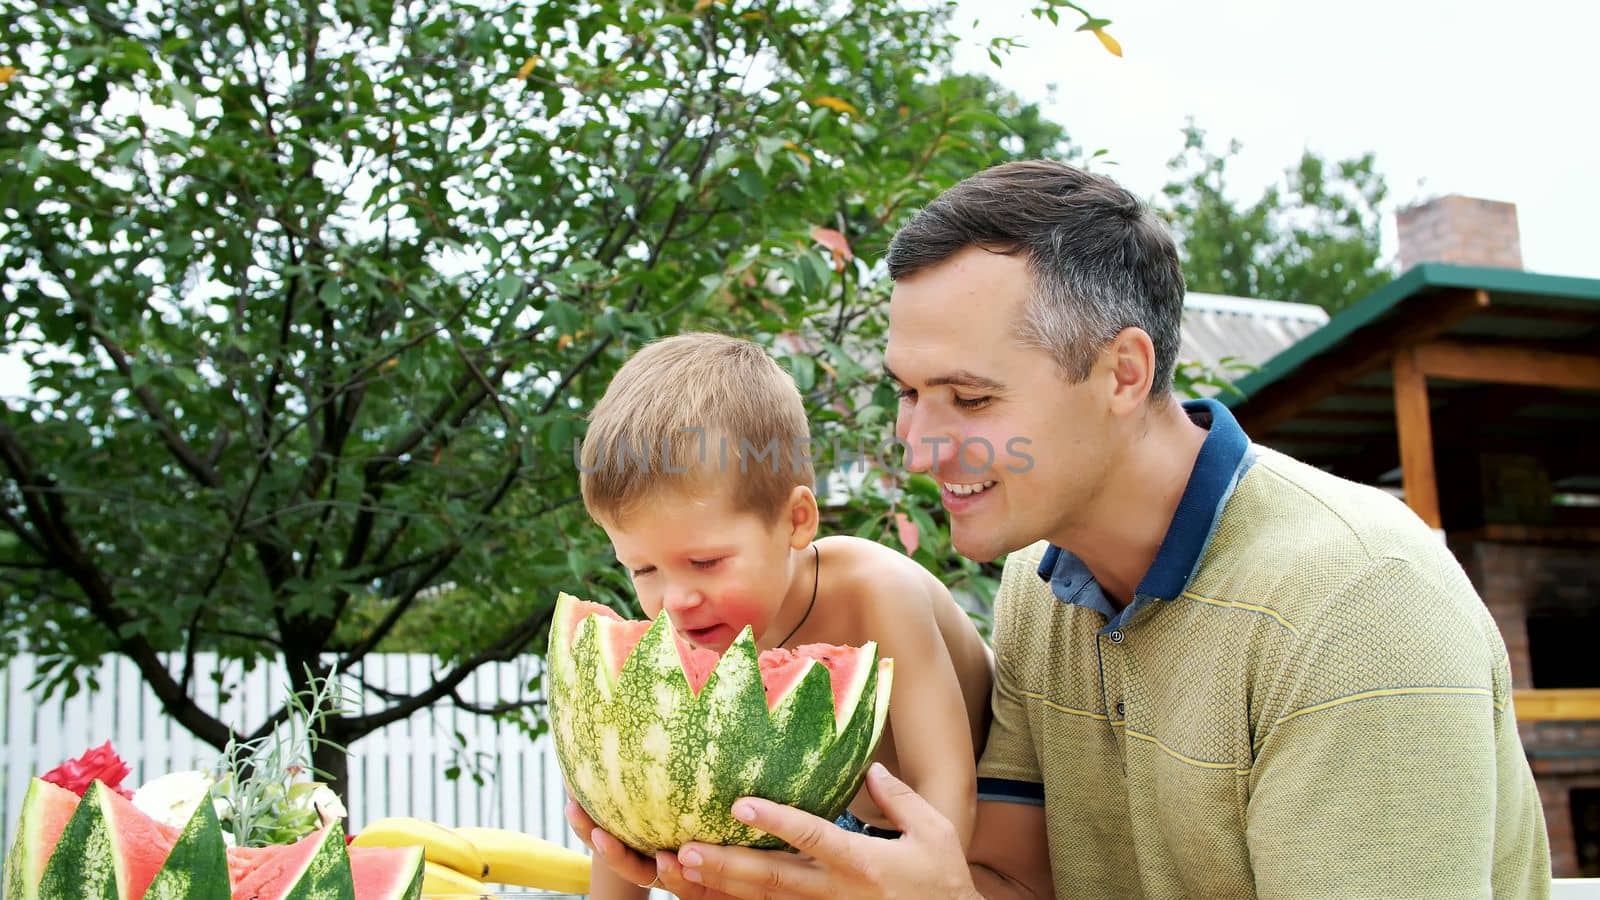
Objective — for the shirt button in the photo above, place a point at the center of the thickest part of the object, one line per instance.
(1119, 709)
(1116, 637)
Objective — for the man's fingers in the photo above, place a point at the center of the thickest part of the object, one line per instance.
(673, 881)
(905, 808)
(811, 835)
(670, 878)
(751, 874)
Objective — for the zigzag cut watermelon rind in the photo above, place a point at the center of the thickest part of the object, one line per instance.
(658, 764)
(103, 847)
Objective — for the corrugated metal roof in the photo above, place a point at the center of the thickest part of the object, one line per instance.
(1218, 328)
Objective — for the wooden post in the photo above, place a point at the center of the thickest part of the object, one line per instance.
(1416, 438)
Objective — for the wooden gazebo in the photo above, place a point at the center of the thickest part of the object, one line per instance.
(1475, 394)
(1445, 359)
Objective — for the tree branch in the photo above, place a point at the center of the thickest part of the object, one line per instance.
(442, 559)
(497, 709)
(20, 529)
(518, 637)
(48, 515)
(447, 555)
(191, 461)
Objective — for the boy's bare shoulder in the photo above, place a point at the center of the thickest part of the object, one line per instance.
(878, 575)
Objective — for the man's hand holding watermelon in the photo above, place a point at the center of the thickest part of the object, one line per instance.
(926, 861)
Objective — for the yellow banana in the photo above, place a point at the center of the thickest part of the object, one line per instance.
(439, 844)
(527, 861)
(443, 881)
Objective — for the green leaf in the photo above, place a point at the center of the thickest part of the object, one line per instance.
(507, 286)
(751, 184)
(184, 96)
(804, 369)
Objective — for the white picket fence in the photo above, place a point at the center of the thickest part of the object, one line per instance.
(399, 770)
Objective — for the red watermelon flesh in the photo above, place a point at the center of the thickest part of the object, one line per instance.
(697, 663)
(45, 811)
(618, 637)
(58, 805)
(267, 873)
(144, 843)
(781, 669)
(135, 846)
(382, 873)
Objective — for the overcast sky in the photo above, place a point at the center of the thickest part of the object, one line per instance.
(1493, 100)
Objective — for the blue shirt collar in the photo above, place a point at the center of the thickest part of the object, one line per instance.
(1223, 459)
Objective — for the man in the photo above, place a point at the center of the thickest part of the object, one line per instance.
(1220, 673)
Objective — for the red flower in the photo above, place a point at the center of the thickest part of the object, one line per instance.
(99, 764)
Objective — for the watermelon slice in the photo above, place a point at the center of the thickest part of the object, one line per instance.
(104, 847)
(46, 808)
(386, 873)
(109, 849)
(656, 738)
(317, 866)
(198, 864)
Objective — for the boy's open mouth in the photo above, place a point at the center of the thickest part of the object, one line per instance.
(716, 636)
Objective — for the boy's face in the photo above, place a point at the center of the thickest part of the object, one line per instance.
(1020, 452)
(714, 570)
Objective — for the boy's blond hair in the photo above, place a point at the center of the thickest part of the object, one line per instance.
(690, 413)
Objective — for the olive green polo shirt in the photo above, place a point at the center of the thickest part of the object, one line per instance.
(1305, 698)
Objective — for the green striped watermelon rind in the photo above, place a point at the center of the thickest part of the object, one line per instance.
(106, 848)
(46, 810)
(317, 866)
(109, 849)
(657, 766)
(198, 863)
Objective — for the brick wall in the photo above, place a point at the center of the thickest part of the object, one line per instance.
(1515, 580)
(1518, 579)
(1458, 229)
(1558, 775)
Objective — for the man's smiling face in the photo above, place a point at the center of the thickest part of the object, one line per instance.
(1019, 452)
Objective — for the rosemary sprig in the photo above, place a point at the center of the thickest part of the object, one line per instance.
(261, 787)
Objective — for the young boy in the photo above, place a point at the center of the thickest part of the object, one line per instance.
(695, 465)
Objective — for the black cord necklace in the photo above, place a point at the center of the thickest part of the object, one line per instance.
(816, 575)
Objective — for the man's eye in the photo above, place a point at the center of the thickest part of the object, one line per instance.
(704, 563)
(906, 393)
(971, 402)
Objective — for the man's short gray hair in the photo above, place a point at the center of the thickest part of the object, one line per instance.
(1101, 260)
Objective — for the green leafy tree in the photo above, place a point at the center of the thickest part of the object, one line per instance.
(315, 297)
(1311, 239)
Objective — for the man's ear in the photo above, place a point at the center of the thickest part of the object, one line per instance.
(802, 517)
(1131, 359)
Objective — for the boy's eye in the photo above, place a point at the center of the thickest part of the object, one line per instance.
(704, 563)
(971, 402)
(906, 393)
(643, 571)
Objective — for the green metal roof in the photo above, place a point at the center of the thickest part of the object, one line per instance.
(1507, 287)
(1328, 399)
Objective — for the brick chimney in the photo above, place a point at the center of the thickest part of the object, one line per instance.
(1464, 230)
